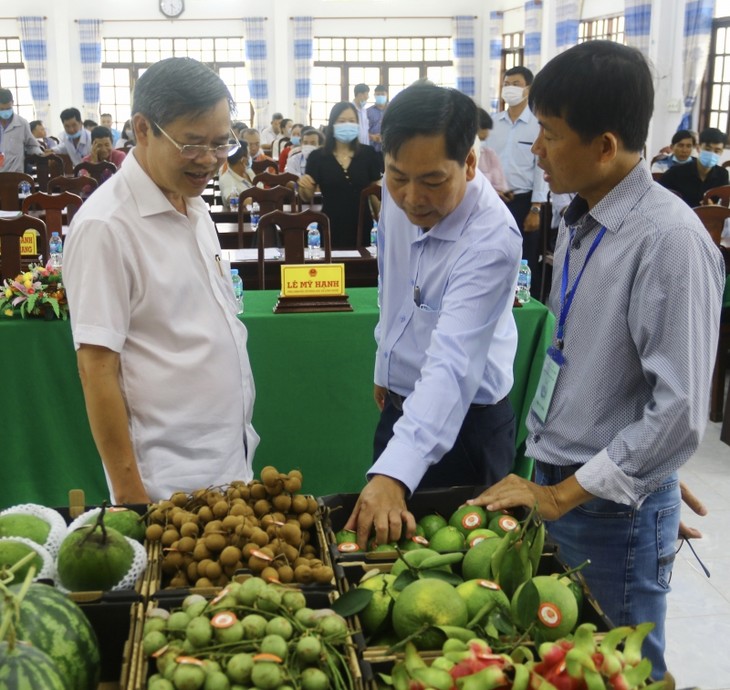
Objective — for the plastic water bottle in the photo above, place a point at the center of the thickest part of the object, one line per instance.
(237, 288)
(374, 239)
(524, 280)
(24, 190)
(233, 203)
(255, 215)
(313, 240)
(56, 247)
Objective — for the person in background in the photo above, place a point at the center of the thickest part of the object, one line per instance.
(448, 255)
(489, 163)
(680, 152)
(16, 140)
(515, 130)
(238, 128)
(253, 139)
(90, 124)
(154, 314)
(282, 139)
(297, 161)
(623, 399)
(294, 144)
(76, 139)
(375, 117)
(692, 180)
(127, 135)
(361, 94)
(38, 130)
(106, 121)
(237, 177)
(102, 150)
(269, 133)
(341, 170)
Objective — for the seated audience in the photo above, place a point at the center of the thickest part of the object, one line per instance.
(294, 144)
(680, 152)
(296, 162)
(106, 121)
(90, 124)
(268, 134)
(102, 148)
(238, 128)
(693, 179)
(253, 139)
(282, 138)
(38, 130)
(237, 177)
(127, 135)
(76, 140)
(488, 159)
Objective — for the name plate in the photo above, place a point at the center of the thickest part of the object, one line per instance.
(28, 243)
(312, 280)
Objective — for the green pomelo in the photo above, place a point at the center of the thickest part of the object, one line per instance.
(477, 593)
(431, 524)
(414, 559)
(126, 521)
(26, 668)
(447, 539)
(374, 615)
(430, 601)
(477, 562)
(468, 518)
(12, 551)
(557, 613)
(573, 586)
(93, 559)
(54, 624)
(22, 525)
(501, 524)
(479, 535)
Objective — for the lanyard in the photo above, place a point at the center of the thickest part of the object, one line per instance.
(566, 297)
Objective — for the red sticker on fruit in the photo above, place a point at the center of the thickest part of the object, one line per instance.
(488, 584)
(418, 539)
(471, 520)
(508, 523)
(220, 595)
(348, 547)
(224, 619)
(262, 555)
(189, 660)
(549, 614)
(264, 656)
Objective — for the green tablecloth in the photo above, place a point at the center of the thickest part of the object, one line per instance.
(314, 407)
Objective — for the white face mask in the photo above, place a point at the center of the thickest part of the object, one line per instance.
(513, 95)
(306, 150)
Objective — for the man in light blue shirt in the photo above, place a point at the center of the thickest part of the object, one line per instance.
(448, 257)
(362, 93)
(515, 130)
(76, 142)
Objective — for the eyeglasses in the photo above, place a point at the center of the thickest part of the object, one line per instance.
(192, 151)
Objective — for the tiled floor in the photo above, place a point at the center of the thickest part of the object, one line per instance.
(698, 619)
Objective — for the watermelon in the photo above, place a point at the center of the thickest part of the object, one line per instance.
(25, 668)
(57, 626)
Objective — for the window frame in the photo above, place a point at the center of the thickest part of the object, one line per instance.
(20, 86)
(708, 81)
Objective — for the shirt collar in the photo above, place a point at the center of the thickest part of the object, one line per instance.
(525, 116)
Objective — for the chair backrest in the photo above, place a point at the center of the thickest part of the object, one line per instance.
(722, 194)
(657, 176)
(9, 182)
(275, 180)
(726, 164)
(11, 231)
(83, 186)
(99, 171)
(268, 200)
(264, 165)
(54, 205)
(365, 214)
(713, 218)
(293, 228)
(46, 167)
(68, 166)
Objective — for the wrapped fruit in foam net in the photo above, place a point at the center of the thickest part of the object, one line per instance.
(42, 525)
(13, 549)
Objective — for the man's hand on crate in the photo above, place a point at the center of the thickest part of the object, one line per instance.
(381, 505)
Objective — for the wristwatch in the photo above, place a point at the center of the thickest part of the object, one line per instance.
(534, 209)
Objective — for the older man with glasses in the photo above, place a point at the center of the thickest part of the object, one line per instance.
(161, 353)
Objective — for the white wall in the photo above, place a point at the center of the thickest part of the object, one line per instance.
(336, 17)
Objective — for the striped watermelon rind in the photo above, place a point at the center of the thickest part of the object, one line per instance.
(27, 668)
(57, 626)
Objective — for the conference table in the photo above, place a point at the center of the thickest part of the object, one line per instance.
(314, 398)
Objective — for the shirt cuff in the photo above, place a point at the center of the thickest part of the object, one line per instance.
(96, 335)
(601, 477)
(400, 462)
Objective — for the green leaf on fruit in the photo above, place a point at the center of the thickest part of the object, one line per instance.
(502, 622)
(454, 632)
(451, 578)
(353, 601)
(527, 604)
(403, 580)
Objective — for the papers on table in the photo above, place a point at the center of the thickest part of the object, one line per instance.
(345, 254)
(10, 214)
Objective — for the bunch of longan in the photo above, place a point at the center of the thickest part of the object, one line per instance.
(264, 526)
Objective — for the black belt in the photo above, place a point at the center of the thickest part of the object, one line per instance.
(397, 400)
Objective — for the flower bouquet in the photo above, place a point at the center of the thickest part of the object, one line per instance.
(37, 292)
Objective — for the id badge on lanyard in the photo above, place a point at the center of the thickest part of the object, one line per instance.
(554, 358)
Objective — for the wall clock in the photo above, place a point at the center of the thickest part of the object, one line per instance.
(172, 8)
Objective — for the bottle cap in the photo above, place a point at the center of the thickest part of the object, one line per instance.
(54, 234)
(234, 271)
(524, 262)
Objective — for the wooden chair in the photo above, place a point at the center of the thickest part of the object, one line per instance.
(722, 194)
(714, 218)
(82, 186)
(726, 164)
(273, 199)
(275, 179)
(9, 183)
(46, 168)
(11, 231)
(293, 228)
(101, 172)
(264, 165)
(366, 213)
(657, 176)
(54, 205)
(68, 166)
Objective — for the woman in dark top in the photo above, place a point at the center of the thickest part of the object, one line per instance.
(342, 169)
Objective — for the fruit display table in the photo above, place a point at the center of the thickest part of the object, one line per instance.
(314, 406)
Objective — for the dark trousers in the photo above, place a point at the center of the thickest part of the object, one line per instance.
(519, 207)
(483, 453)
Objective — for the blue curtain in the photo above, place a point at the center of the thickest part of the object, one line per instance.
(463, 46)
(90, 47)
(495, 59)
(35, 58)
(257, 64)
(533, 36)
(637, 24)
(302, 49)
(567, 21)
(697, 33)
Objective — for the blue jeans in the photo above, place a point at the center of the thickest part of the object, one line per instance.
(631, 552)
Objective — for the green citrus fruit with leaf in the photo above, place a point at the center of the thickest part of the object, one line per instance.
(447, 539)
(477, 593)
(468, 518)
(477, 562)
(374, 615)
(431, 524)
(557, 610)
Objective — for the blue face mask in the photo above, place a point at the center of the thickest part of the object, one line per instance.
(709, 159)
(295, 140)
(346, 131)
(381, 100)
(6, 114)
(74, 136)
